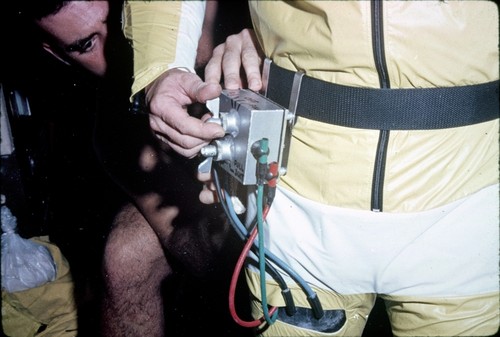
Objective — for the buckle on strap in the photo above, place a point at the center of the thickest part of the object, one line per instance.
(385, 109)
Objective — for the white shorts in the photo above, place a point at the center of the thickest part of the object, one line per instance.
(447, 251)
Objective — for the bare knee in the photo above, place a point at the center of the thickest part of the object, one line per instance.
(133, 252)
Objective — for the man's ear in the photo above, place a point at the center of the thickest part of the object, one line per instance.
(48, 48)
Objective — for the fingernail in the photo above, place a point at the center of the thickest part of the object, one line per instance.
(254, 84)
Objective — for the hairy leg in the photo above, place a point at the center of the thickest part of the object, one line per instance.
(134, 269)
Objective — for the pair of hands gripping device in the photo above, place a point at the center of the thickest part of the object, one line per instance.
(254, 152)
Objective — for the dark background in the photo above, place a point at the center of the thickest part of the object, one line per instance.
(68, 195)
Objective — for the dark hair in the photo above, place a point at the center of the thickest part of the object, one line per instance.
(36, 10)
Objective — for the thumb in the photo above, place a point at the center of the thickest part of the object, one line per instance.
(206, 91)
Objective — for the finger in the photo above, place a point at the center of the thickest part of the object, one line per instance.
(231, 62)
(213, 69)
(187, 153)
(173, 120)
(171, 134)
(251, 59)
(204, 177)
(207, 196)
(185, 145)
(207, 91)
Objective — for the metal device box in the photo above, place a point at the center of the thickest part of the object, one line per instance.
(247, 117)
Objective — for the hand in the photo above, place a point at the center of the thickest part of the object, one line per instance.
(239, 50)
(168, 98)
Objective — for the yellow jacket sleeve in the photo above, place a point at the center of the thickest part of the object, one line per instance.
(164, 35)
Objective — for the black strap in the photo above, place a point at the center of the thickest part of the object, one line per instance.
(386, 109)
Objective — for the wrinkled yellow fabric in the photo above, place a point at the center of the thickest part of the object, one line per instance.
(357, 308)
(427, 44)
(152, 28)
(409, 316)
(50, 308)
(455, 316)
(414, 179)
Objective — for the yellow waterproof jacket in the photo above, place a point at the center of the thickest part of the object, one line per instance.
(425, 44)
(398, 44)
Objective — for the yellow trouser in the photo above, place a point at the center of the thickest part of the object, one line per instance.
(409, 316)
(50, 308)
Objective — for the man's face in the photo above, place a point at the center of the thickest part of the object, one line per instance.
(79, 32)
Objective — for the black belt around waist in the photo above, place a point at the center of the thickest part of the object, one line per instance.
(386, 109)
